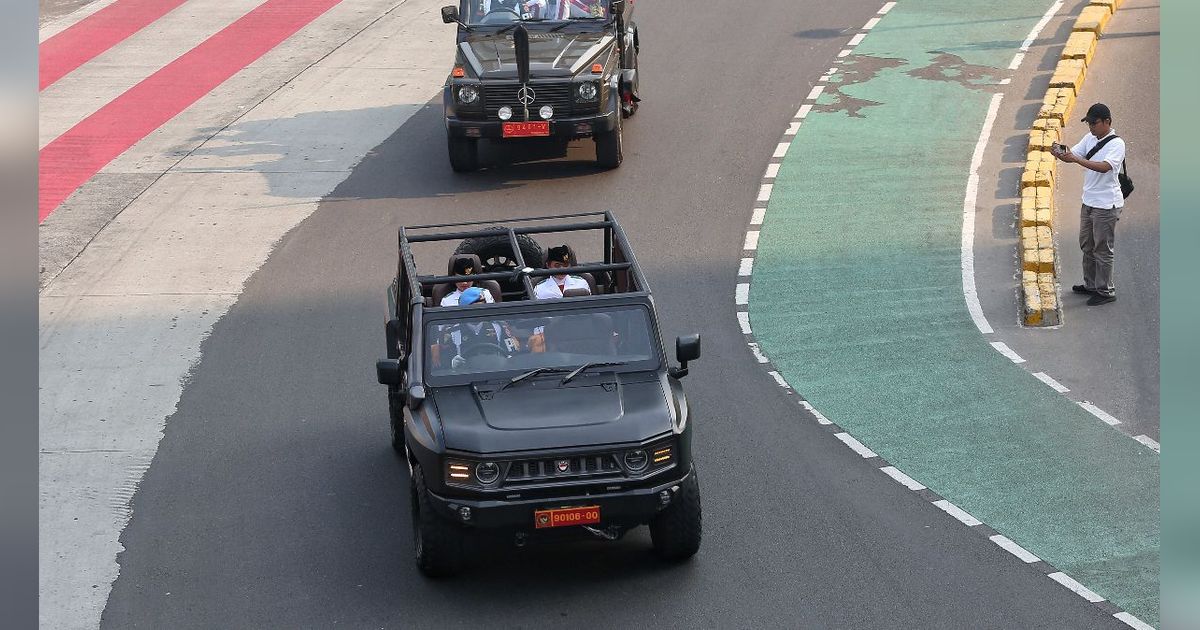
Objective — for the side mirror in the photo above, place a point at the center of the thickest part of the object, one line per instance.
(618, 7)
(388, 371)
(687, 348)
(450, 14)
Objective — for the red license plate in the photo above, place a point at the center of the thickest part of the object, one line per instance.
(564, 517)
(526, 129)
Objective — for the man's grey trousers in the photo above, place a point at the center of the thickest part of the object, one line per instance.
(1097, 237)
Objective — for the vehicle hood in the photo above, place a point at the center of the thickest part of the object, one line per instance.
(605, 409)
(550, 54)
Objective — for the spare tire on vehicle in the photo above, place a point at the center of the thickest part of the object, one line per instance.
(496, 254)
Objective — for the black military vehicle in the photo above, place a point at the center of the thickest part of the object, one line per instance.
(540, 68)
(536, 418)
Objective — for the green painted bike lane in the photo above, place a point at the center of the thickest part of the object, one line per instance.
(856, 296)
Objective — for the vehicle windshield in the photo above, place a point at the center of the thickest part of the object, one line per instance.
(487, 347)
(498, 12)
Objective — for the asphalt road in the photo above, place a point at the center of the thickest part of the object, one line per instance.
(275, 501)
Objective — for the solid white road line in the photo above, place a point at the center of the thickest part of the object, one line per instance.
(1037, 28)
(1148, 441)
(967, 258)
(905, 480)
(958, 513)
(1008, 353)
(855, 445)
(1133, 622)
(1099, 413)
(1081, 590)
(1015, 549)
(745, 268)
(742, 294)
(1055, 385)
(751, 243)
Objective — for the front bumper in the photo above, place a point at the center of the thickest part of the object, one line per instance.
(636, 506)
(572, 127)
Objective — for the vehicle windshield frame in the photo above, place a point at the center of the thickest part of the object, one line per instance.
(489, 312)
(470, 19)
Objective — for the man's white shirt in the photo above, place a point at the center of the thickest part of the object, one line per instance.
(548, 289)
(451, 299)
(1102, 190)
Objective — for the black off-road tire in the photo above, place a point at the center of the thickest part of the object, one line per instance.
(496, 254)
(676, 531)
(396, 417)
(437, 542)
(608, 146)
(464, 154)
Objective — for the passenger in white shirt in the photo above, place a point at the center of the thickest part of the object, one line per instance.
(1102, 202)
(517, 6)
(554, 286)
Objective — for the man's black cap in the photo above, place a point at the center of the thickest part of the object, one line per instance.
(1099, 111)
(464, 267)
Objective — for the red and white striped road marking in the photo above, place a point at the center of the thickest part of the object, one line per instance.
(74, 157)
(75, 46)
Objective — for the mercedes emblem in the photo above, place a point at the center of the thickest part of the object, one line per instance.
(526, 96)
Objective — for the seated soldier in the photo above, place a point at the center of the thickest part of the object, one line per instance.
(463, 267)
(554, 286)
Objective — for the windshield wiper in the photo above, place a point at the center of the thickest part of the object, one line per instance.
(510, 27)
(591, 364)
(534, 372)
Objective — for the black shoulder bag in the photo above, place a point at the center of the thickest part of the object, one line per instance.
(1123, 175)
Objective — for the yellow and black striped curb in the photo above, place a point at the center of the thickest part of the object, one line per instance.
(1039, 282)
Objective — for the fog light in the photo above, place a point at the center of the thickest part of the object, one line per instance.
(464, 513)
(546, 112)
(505, 113)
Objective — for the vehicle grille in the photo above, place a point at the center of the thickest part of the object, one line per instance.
(557, 95)
(533, 471)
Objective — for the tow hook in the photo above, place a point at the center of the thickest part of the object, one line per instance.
(612, 533)
(521, 539)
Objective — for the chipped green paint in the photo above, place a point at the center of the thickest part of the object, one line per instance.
(864, 228)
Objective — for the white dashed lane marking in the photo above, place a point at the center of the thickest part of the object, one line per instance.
(887, 6)
(1133, 622)
(742, 294)
(744, 322)
(1003, 349)
(958, 513)
(745, 268)
(816, 92)
(855, 445)
(757, 217)
(857, 39)
(1099, 413)
(803, 111)
(1055, 385)
(751, 243)
(1148, 441)
(781, 149)
(903, 479)
(772, 171)
(1015, 549)
(1081, 590)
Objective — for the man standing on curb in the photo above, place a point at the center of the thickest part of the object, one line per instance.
(1102, 153)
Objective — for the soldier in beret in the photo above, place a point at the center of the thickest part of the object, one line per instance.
(554, 286)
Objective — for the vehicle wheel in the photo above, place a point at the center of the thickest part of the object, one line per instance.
(496, 254)
(438, 543)
(464, 154)
(608, 146)
(676, 531)
(396, 413)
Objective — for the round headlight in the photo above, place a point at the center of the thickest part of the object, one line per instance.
(505, 113)
(636, 461)
(587, 91)
(487, 472)
(467, 94)
(546, 112)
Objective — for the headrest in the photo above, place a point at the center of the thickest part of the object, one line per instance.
(576, 293)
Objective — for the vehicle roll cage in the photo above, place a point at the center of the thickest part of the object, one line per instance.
(618, 256)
